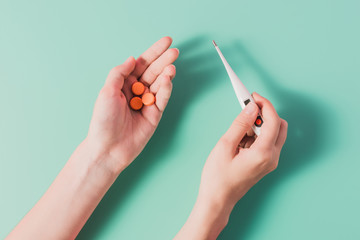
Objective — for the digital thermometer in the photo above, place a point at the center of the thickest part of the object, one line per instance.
(241, 92)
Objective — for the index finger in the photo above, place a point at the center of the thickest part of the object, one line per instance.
(150, 55)
(271, 126)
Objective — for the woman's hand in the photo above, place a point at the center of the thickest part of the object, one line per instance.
(116, 136)
(119, 132)
(238, 161)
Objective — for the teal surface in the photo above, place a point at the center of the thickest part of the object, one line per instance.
(302, 55)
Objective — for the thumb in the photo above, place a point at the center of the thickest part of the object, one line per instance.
(242, 123)
(119, 73)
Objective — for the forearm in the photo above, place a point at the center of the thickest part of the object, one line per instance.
(206, 220)
(70, 200)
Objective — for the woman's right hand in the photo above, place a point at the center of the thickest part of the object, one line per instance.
(238, 161)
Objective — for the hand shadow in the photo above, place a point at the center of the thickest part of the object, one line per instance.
(197, 70)
(311, 126)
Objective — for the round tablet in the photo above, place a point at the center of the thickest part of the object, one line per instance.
(138, 88)
(148, 99)
(136, 103)
(258, 121)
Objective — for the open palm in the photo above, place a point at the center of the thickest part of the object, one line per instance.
(117, 130)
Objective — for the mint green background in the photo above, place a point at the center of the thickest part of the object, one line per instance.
(302, 55)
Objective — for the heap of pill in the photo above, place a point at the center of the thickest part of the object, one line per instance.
(140, 98)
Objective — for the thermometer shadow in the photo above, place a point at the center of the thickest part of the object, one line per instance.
(197, 70)
(309, 133)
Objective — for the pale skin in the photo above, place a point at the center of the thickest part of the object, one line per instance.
(118, 134)
(237, 162)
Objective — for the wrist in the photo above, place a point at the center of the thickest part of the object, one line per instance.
(206, 221)
(215, 214)
(89, 165)
(100, 156)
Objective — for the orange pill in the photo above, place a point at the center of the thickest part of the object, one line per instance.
(136, 103)
(258, 121)
(148, 99)
(138, 88)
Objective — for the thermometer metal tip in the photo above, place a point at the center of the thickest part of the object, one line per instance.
(214, 43)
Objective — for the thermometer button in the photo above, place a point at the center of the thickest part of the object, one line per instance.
(258, 121)
(247, 101)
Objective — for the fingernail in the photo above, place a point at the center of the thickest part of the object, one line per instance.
(250, 108)
(129, 59)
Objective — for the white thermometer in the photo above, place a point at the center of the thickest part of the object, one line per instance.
(241, 92)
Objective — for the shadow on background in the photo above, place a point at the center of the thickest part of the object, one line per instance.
(192, 79)
(309, 121)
